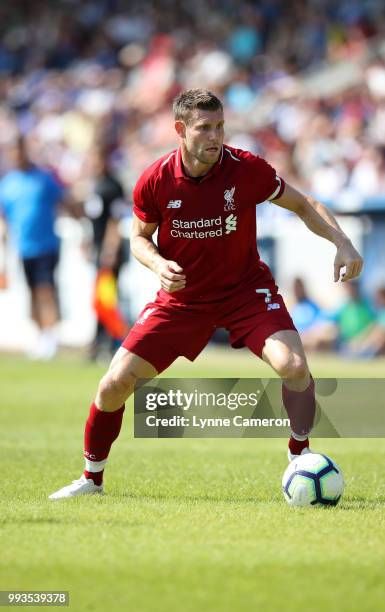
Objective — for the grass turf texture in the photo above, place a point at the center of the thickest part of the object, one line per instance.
(187, 524)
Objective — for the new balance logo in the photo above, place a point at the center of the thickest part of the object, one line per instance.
(273, 306)
(231, 223)
(229, 198)
(174, 204)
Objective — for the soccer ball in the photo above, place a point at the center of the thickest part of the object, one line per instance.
(311, 480)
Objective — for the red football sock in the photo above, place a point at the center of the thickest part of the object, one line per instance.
(97, 477)
(102, 428)
(300, 407)
(296, 446)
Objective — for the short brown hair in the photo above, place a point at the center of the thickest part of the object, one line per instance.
(192, 99)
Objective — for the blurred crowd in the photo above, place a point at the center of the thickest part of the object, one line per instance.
(92, 80)
(356, 329)
(73, 73)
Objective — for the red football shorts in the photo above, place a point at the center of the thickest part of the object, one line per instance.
(165, 331)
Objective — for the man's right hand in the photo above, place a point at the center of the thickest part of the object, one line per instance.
(170, 275)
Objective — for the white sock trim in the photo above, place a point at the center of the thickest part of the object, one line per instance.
(298, 437)
(95, 466)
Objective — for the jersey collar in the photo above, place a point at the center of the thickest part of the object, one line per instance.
(180, 174)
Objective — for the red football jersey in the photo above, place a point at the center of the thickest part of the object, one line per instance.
(208, 224)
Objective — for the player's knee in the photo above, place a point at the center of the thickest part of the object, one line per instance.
(292, 367)
(116, 384)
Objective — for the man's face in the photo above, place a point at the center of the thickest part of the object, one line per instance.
(203, 135)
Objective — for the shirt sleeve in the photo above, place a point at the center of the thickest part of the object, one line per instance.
(269, 185)
(55, 188)
(144, 202)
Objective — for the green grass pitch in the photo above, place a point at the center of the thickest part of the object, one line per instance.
(185, 524)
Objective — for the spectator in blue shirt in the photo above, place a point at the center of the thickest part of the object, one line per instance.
(29, 198)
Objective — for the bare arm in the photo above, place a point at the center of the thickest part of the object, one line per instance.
(322, 222)
(144, 250)
(70, 206)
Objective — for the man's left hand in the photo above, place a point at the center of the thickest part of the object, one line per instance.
(347, 257)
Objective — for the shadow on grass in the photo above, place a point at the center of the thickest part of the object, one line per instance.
(358, 503)
(191, 498)
(361, 503)
(347, 505)
(70, 520)
(34, 520)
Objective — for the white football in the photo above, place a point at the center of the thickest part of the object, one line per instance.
(312, 479)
